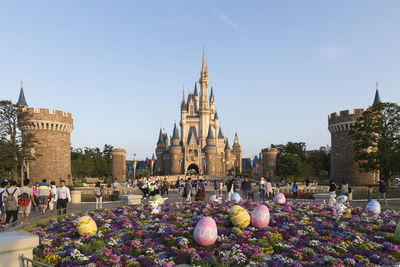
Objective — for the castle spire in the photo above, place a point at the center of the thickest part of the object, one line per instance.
(195, 89)
(236, 140)
(377, 98)
(227, 146)
(21, 99)
(183, 105)
(160, 138)
(210, 135)
(175, 134)
(220, 135)
(204, 81)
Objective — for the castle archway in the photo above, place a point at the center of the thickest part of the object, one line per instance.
(193, 169)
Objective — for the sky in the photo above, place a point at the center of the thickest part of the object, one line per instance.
(278, 68)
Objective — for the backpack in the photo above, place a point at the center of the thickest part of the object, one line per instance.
(34, 191)
(11, 202)
(24, 199)
(1, 198)
(97, 191)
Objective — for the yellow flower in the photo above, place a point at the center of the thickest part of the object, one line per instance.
(276, 236)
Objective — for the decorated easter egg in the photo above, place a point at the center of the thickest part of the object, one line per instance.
(205, 232)
(341, 199)
(260, 217)
(397, 233)
(235, 197)
(239, 216)
(280, 198)
(86, 225)
(374, 206)
(157, 197)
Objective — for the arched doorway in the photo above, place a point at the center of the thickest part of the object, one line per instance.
(193, 169)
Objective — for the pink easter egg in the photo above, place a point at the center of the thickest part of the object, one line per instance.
(280, 198)
(260, 217)
(205, 232)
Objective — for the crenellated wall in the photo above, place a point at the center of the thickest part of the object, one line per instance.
(343, 165)
(52, 153)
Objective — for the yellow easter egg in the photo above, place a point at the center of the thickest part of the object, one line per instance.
(239, 216)
(86, 225)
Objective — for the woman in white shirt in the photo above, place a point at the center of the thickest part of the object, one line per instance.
(262, 189)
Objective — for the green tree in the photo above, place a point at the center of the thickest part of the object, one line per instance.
(289, 166)
(376, 136)
(296, 148)
(17, 144)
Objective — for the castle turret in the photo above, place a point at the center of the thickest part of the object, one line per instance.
(183, 104)
(212, 99)
(237, 153)
(204, 83)
(269, 162)
(160, 151)
(119, 164)
(176, 150)
(211, 152)
(343, 165)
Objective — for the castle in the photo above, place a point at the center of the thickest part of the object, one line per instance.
(202, 147)
(343, 165)
(52, 153)
(265, 164)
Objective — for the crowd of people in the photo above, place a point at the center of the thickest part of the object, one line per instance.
(17, 201)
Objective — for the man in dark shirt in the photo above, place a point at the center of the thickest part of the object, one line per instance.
(382, 190)
(246, 187)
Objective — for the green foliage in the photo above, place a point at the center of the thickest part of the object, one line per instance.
(91, 162)
(248, 174)
(294, 163)
(16, 145)
(376, 136)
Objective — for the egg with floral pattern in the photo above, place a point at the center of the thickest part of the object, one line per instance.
(235, 197)
(398, 233)
(205, 232)
(260, 217)
(86, 226)
(239, 216)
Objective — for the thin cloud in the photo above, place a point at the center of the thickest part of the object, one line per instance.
(330, 52)
(225, 19)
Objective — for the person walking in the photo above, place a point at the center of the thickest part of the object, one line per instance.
(252, 189)
(98, 193)
(179, 185)
(44, 193)
(25, 202)
(220, 187)
(63, 196)
(187, 190)
(382, 191)
(295, 190)
(115, 187)
(35, 192)
(215, 185)
(10, 199)
(230, 187)
(370, 191)
(268, 188)
(53, 192)
(245, 188)
(3, 188)
(262, 189)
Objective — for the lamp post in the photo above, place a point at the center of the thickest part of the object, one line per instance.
(134, 166)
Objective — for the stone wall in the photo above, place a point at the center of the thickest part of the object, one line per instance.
(343, 165)
(119, 164)
(53, 151)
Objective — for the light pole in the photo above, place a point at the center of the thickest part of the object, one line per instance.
(134, 167)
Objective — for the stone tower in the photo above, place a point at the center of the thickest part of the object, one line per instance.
(237, 153)
(119, 164)
(176, 150)
(269, 162)
(52, 153)
(343, 165)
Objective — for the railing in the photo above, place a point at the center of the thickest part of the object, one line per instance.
(26, 262)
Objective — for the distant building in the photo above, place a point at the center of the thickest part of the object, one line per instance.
(246, 164)
(265, 164)
(201, 146)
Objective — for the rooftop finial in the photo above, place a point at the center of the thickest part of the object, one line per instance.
(22, 83)
(21, 99)
(377, 84)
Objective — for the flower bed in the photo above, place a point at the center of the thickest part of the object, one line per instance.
(299, 234)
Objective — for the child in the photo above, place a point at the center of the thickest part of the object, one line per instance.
(370, 192)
